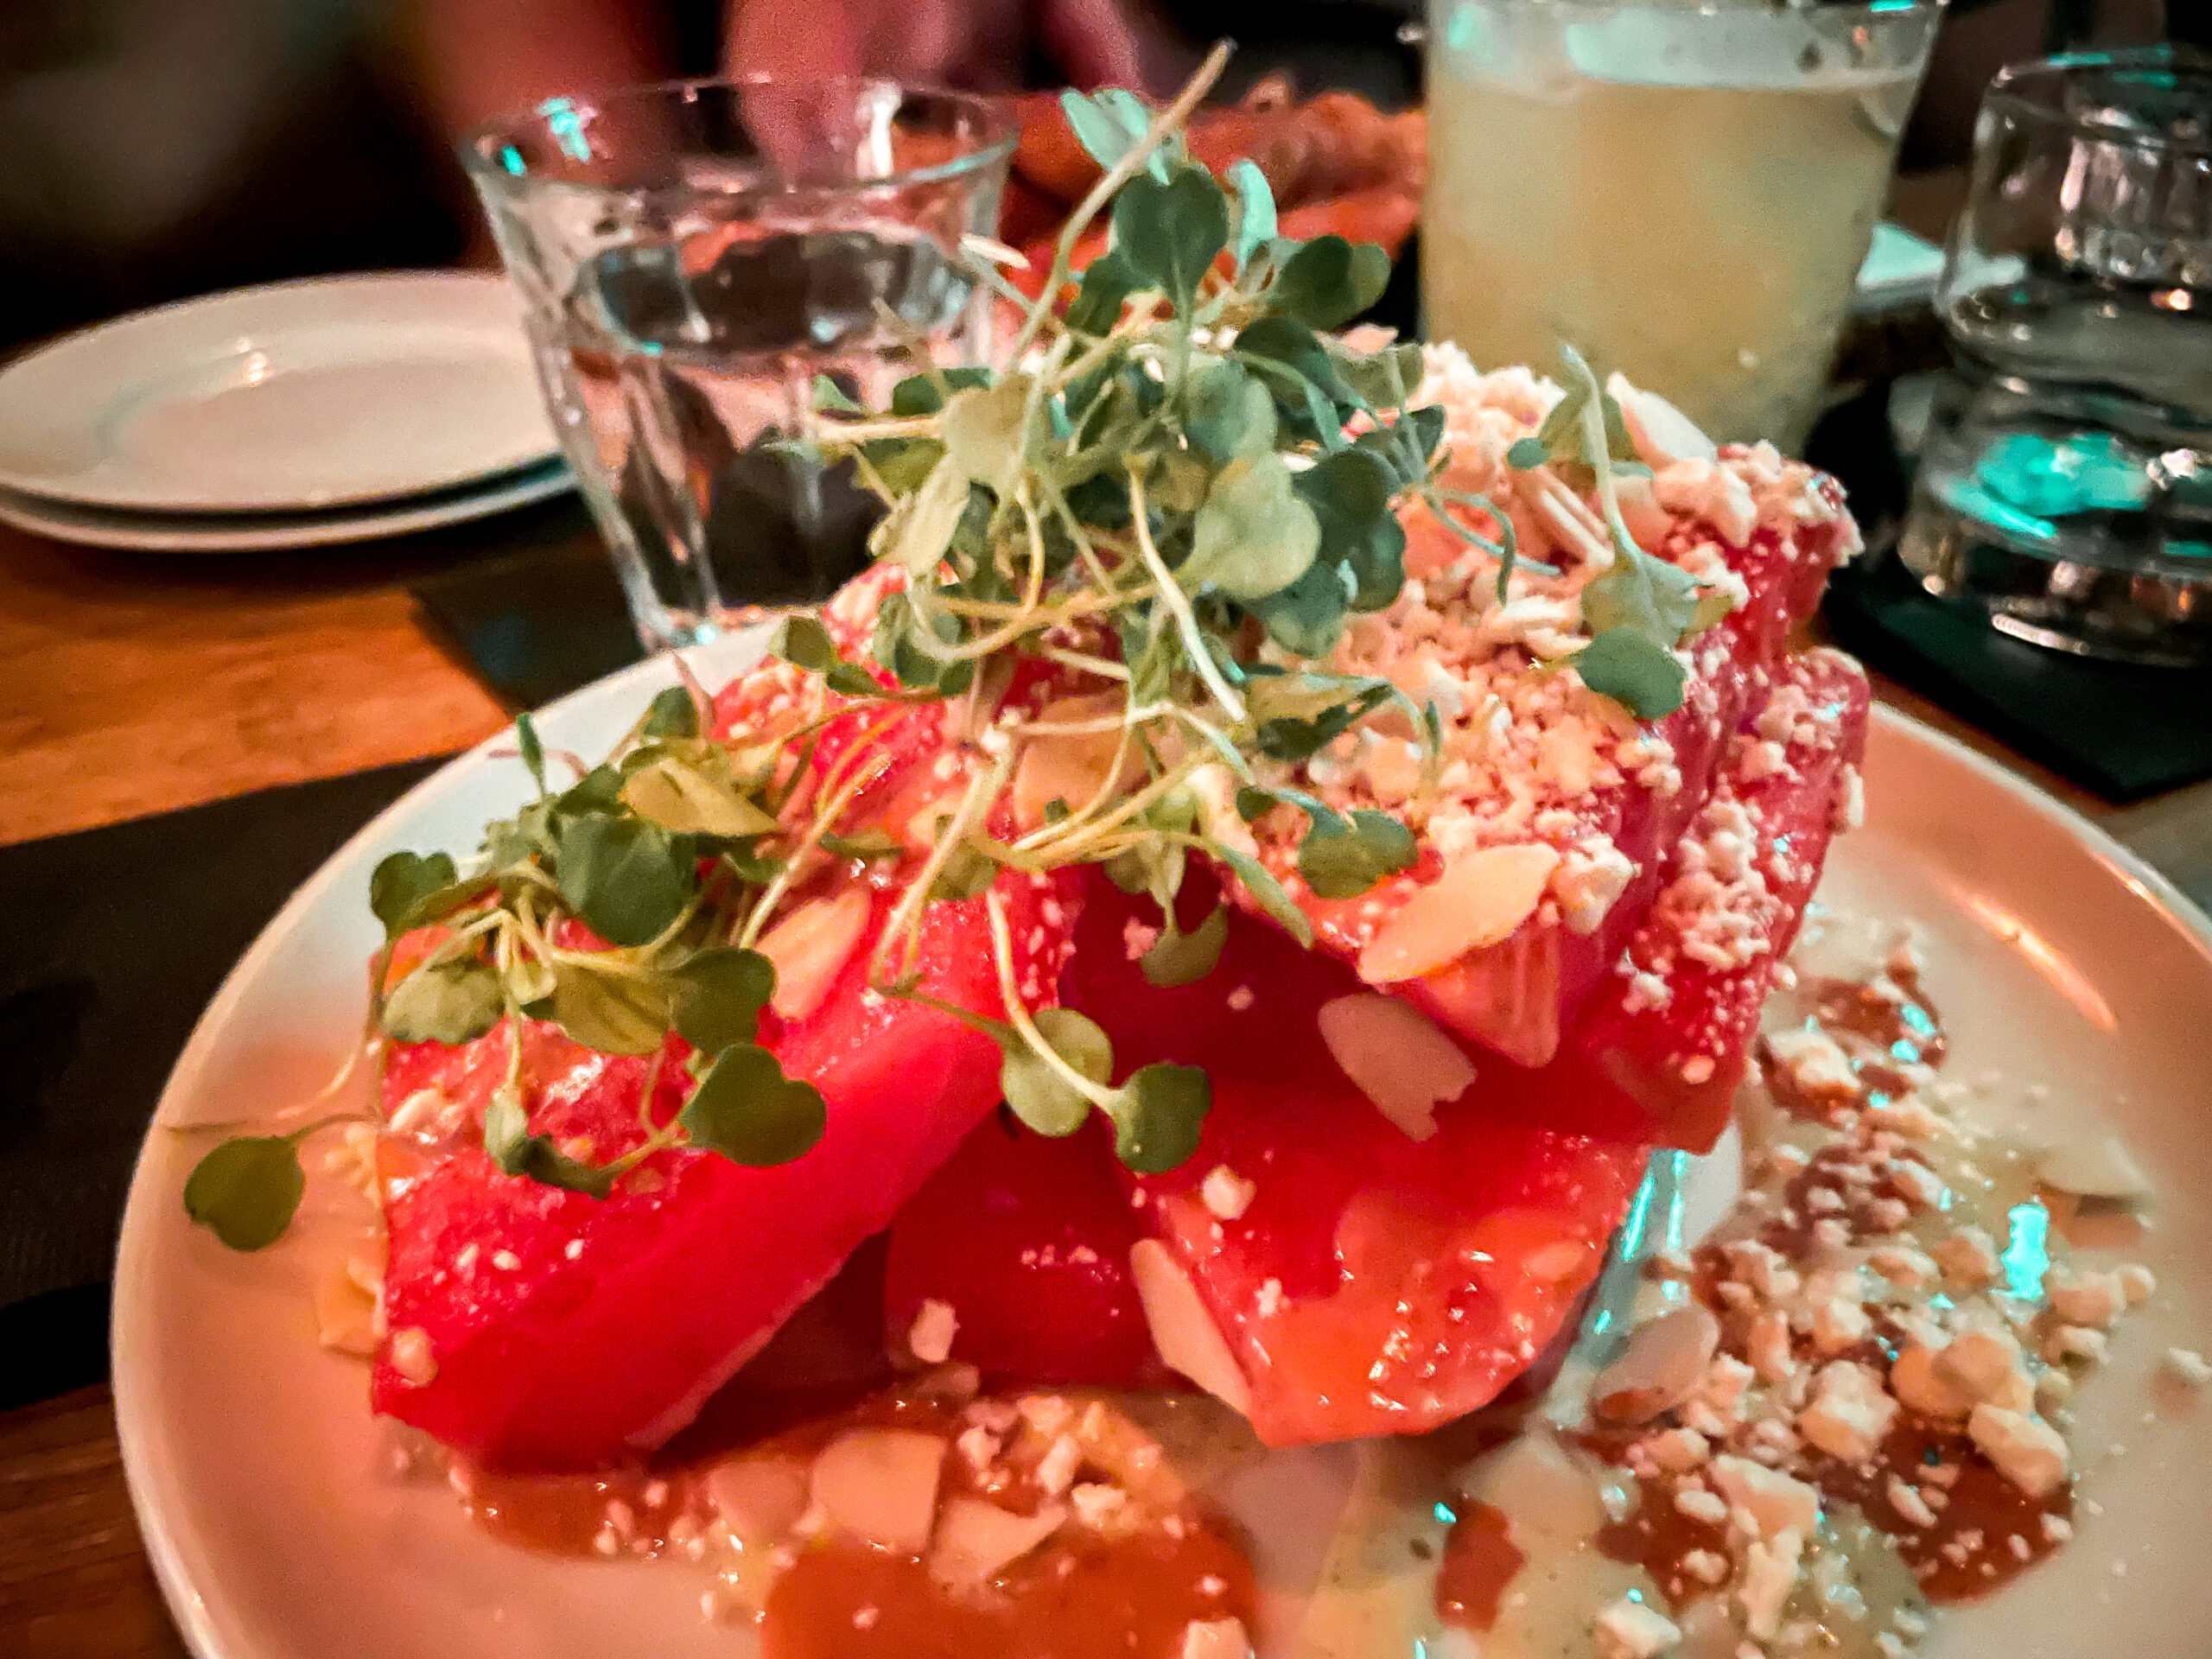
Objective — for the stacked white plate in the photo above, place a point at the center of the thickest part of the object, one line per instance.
(299, 415)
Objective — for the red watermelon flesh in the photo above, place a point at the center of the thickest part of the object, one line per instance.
(561, 1329)
(1027, 1238)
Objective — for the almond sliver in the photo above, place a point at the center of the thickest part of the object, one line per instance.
(1182, 1329)
(1477, 901)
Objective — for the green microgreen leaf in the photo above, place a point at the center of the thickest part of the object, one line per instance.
(1171, 231)
(533, 751)
(804, 642)
(920, 528)
(1624, 664)
(1178, 958)
(1161, 1110)
(628, 879)
(527, 979)
(984, 436)
(1294, 715)
(748, 1111)
(1350, 494)
(1102, 123)
(693, 794)
(925, 394)
(402, 883)
(1108, 281)
(452, 1001)
(612, 1011)
(671, 714)
(1329, 281)
(246, 1190)
(1647, 596)
(1226, 413)
(1344, 858)
(515, 1151)
(717, 995)
(1260, 883)
(1256, 210)
(1040, 1096)
(830, 397)
(1524, 454)
(965, 875)
(1252, 535)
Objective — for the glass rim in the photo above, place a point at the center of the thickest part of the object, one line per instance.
(477, 160)
(1859, 9)
(2012, 92)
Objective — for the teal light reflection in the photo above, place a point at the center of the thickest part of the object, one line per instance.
(2027, 1253)
(511, 159)
(567, 122)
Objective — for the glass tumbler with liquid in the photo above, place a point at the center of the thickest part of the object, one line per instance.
(691, 256)
(1683, 191)
(2065, 483)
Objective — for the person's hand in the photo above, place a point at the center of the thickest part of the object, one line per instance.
(979, 44)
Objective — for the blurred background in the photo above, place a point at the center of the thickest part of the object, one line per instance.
(151, 149)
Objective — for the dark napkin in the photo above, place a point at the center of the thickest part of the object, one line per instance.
(534, 625)
(104, 975)
(2122, 731)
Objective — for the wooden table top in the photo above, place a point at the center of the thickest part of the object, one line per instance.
(136, 684)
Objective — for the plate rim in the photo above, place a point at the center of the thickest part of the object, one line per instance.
(44, 487)
(523, 486)
(190, 1608)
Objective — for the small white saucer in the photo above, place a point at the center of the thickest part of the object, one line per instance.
(331, 392)
(152, 532)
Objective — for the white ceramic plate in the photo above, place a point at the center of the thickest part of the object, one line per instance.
(317, 394)
(2055, 956)
(154, 532)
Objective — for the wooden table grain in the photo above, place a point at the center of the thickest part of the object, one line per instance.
(130, 685)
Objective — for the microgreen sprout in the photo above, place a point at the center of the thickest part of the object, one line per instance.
(1169, 496)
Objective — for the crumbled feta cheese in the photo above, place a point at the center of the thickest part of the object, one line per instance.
(1812, 1060)
(1969, 1258)
(930, 1336)
(1096, 1504)
(2076, 1342)
(1057, 1467)
(1677, 1450)
(2027, 1451)
(1631, 1630)
(1850, 1412)
(2136, 1284)
(1906, 1499)
(1769, 1347)
(1227, 1194)
(1770, 1574)
(2084, 1298)
(1775, 1502)
(1215, 1638)
(411, 1357)
(2188, 1366)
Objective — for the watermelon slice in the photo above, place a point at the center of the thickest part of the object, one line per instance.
(1673, 1032)
(1519, 994)
(1027, 1239)
(531, 1326)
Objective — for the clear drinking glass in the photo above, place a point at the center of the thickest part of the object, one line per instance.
(1684, 192)
(692, 255)
(2066, 481)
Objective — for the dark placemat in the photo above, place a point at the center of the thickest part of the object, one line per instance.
(2124, 732)
(534, 625)
(117, 938)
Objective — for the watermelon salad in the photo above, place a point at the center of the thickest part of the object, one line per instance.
(1229, 902)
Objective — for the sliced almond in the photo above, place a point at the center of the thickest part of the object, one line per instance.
(1182, 1329)
(1067, 766)
(976, 1541)
(1539, 1483)
(1661, 1363)
(810, 946)
(2096, 1167)
(1659, 433)
(1398, 1058)
(344, 1312)
(759, 1499)
(880, 1485)
(1478, 900)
